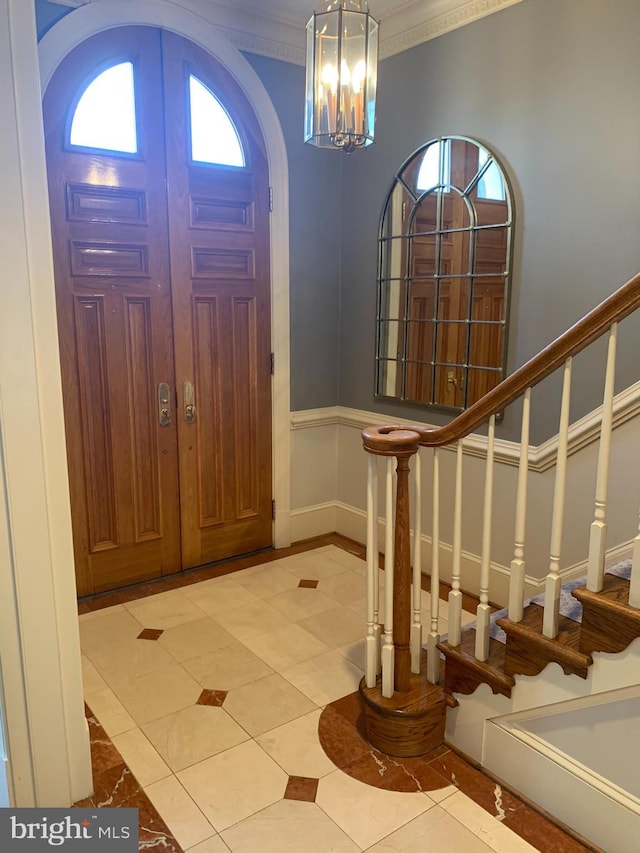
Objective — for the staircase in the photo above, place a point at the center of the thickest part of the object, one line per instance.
(420, 688)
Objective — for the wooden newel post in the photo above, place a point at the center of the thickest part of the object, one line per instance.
(402, 580)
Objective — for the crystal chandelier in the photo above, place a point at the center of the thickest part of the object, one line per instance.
(342, 59)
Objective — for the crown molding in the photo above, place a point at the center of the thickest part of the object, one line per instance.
(416, 24)
(585, 431)
(405, 24)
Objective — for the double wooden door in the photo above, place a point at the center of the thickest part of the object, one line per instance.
(162, 285)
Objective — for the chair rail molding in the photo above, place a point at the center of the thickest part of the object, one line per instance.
(542, 457)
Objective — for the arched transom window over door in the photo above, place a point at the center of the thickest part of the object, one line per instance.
(443, 276)
(159, 198)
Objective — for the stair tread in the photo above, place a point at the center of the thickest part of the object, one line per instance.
(614, 593)
(491, 670)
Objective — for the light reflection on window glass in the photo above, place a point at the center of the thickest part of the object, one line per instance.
(490, 185)
(431, 174)
(105, 117)
(214, 139)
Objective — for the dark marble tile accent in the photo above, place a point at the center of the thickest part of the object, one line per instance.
(212, 697)
(340, 738)
(395, 774)
(150, 633)
(301, 788)
(541, 833)
(103, 753)
(308, 584)
(116, 787)
(348, 707)
(480, 788)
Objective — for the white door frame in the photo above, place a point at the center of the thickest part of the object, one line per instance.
(189, 19)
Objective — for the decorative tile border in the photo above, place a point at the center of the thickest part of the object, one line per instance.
(341, 736)
(115, 786)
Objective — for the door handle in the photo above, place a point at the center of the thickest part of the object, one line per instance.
(189, 402)
(164, 406)
(451, 379)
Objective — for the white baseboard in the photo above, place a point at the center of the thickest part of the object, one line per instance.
(350, 521)
(310, 521)
(584, 801)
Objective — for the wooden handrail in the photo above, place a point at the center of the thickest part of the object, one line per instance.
(613, 309)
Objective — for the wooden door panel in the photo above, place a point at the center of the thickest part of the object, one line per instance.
(111, 256)
(219, 231)
(209, 423)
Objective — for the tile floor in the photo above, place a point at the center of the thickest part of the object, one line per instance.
(205, 702)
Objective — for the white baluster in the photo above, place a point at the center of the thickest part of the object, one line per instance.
(372, 643)
(553, 584)
(516, 583)
(455, 596)
(416, 623)
(484, 610)
(387, 646)
(598, 532)
(433, 655)
(634, 589)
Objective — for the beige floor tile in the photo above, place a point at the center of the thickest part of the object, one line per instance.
(235, 784)
(249, 620)
(434, 831)
(360, 607)
(486, 827)
(120, 662)
(336, 627)
(159, 694)
(296, 747)
(268, 580)
(286, 646)
(312, 565)
(326, 678)
(110, 711)
(165, 610)
(143, 760)
(98, 614)
(355, 653)
(183, 817)
(349, 561)
(265, 704)
(193, 734)
(220, 597)
(194, 639)
(301, 602)
(442, 793)
(365, 813)
(227, 668)
(468, 618)
(116, 626)
(288, 827)
(344, 587)
(211, 845)
(92, 681)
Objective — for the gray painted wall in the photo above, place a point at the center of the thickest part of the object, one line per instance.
(315, 243)
(551, 87)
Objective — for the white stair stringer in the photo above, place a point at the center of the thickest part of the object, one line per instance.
(572, 793)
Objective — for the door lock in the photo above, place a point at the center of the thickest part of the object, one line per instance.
(189, 402)
(164, 406)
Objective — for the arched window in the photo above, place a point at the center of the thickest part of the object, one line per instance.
(444, 275)
(105, 116)
(214, 138)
